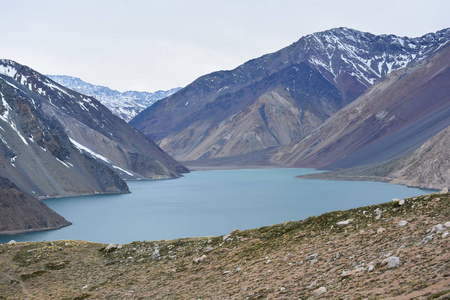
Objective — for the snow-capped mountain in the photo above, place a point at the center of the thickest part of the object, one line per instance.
(279, 97)
(125, 105)
(46, 127)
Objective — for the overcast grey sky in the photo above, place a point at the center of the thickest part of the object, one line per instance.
(150, 45)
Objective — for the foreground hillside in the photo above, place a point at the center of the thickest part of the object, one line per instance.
(397, 249)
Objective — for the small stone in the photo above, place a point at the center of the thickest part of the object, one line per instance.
(444, 234)
(156, 254)
(381, 230)
(287, 257)
(199, 259)
(320, 291)
(11, 242)
(437, 229)
(312, 256)
(393, 262)
(226, 272)
(84, 287)
(395, 200)
(447, 224)
(268, 261)
(313, 262)
(401, 202)
(110, 248)
(444, 191)
(371, 268)
(337, 256)
(314, 283)
(346, 222)
(209, 249)
(402, 223)
(226, 237)
(282, 289)
(66, 244)
(427, 239)
(60, 248)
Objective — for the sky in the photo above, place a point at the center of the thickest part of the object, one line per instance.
(158, 45)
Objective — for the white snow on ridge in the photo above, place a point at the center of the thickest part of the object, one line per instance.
(8, 71)
(95, 154)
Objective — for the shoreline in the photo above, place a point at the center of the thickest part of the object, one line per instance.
(14, 232)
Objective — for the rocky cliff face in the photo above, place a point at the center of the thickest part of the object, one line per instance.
(280, 97)
(19, 212)
(91, 127)
(395, 116)
(125, 105)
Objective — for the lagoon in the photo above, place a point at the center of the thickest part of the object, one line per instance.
(208, 203)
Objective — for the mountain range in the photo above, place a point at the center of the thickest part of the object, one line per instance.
(56, 142)
(125, 105)
(280, 98)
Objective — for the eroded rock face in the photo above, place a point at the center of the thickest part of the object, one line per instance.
(21, 212)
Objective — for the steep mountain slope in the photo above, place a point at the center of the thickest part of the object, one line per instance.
(37, 155)
(21, 212)
(125, 105)
(279, 97)
(91, 127)
(394, 117)
(426, 167)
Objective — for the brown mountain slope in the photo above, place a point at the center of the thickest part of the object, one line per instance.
(279, 97)
(397, 115)
(21, 212)
(427, 167)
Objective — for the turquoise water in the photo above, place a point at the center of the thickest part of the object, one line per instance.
(208, 203)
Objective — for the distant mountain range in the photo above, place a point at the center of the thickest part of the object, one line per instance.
(279, 98)
(57, 142)
(125, 105)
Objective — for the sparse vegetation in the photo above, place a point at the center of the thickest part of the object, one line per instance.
(289, 260)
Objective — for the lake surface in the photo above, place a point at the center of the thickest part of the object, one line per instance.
(208, 203)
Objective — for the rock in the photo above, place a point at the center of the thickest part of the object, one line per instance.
(156, 254)
(199, 259)
(66, 244)
(209, 249)
(395, 200)
(401, 202)
(444, 191)
(393, 262)
(84, 287)
(11, 242)
(313, 262)
(444, 234)
(312, 256)
(447, 224)
(437, 229)
(381, 230)
(346, 274)
(60, 248)
(320, 291)
(110, 248)
(427, 239)
(371, 268)
(402, 223)
(282, 289)
(337, 256)
(287, 257)
(346, 222)
(226, 237)
(226, 272)
(314, 283)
